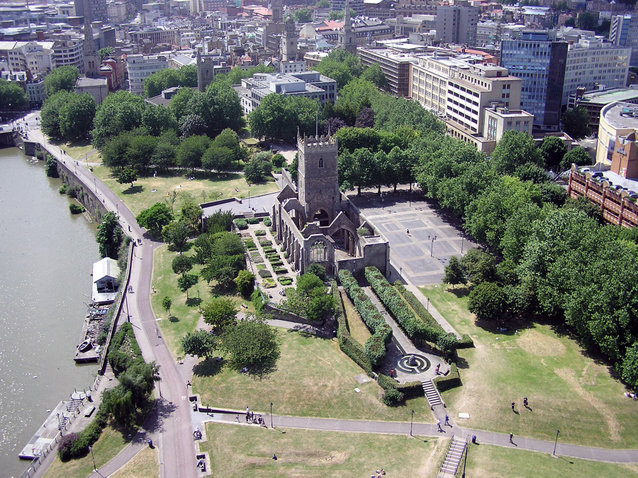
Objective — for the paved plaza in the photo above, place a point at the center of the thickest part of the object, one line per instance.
(421, 254)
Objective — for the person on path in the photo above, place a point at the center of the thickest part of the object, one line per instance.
(513, 404)
(447, 421)
(438, 425)
(512, 438)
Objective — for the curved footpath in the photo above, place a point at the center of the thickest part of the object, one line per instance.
(174, 433)
(175, 419)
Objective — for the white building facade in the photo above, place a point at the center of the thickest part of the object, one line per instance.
(141, 67)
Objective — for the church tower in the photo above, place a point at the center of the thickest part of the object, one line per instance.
(318, 180)
(289, 41)
(346, 35)
(276, 9)
(91, 60)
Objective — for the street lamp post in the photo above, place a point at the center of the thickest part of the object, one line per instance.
(555, 443)
(411, 420)
(271, 425)
(93, 456)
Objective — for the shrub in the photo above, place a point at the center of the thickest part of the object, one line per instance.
(264, 273)
(285, 280)
(63, 189)
(280, 270)
(386, 383)
(392, 397)
(363, 231)
(278, 262)
(265, 242)
(250, 244)
(257, 300)
(66, 442)
(76, 208)
(241, 224)
(269, 283)
(73, 192)
(253, 220)
(267, 222)
(51, 167)
(451, 380)
(260, 232)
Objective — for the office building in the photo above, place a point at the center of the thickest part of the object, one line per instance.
(456, 24)
(141, 67)
(624, 32)
(395, 66)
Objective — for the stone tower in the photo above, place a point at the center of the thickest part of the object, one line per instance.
(276, 9)
(91, 60)
(346, 35)
(318, 181)
(289, 41)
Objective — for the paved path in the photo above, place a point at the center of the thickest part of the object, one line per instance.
(423, 429)
(175, 441)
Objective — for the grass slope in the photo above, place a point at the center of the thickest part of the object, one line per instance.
(567, 390)
(143, 465)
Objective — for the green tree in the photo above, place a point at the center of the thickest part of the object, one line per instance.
(140, 151)
(587, 21)
(181, 264)
(167, 303)
(578, 156)
(220, 221)
(155, 218)
(164, 155)
(479, 266)
(50, 114)
(12, 97)
(251, 344)
(199, 344)
(186, 281)
(76, 117)
(104, 53)
(109, 236)
(217, 158)
(552, 149)
(629, 366)
(219, 312)
(115, 150)
(192, 125)
(487, 301)
(375, 75)
(179, 103)
(320, 308)
(157, 119)
(61, 78)
(127, 176)
(191, 150)
(119, 112)
(317, 270)
(176, 234)
(454, 273)
(245, 282)
(303, 15)
(513, 150)
(257, 170)
(575, 122)
(352, 98)
(191, 213)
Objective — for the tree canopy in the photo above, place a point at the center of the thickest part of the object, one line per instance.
(155, 218)
(61, 78)
(12, 97)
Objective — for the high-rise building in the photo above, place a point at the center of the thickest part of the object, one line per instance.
(289, 41)
(539, 62)
(456, 24)
(624, 32)
(95, 10)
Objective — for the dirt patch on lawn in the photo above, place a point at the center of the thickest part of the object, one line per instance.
(613, 426)
(539, 344)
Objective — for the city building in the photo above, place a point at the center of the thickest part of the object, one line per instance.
(309, 84)
(395, 66)
(478, 103)
(116, 12)
(95, 10)
(624, 32)
(69, 51)
(35, 58)
(455, 24)
(140, 67)
(594, 101)
(592, 63)
(616, 120)
(98, 88)
(208, 67)
(346, 37)
(539, 61)
(36, 91)
(357, 6)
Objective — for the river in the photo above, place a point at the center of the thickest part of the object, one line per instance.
(46, 255)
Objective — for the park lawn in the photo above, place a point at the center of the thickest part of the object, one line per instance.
(312, 378)
(239, 451)
(489, 461)
(109, 444)
(358, 330)
(169, 187)
(143, 465)
(83, 152)
(184, 314)
(567, 390)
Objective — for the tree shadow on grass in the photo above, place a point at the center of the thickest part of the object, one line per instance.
(208, 367)
(460, 291)
(134, 189)
(461, 362)
(193, 301)
(173, 319)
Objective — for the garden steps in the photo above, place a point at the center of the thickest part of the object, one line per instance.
(431, 393)
(453, 457)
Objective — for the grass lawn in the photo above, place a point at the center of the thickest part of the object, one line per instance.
(184, 313)
(239, 451)
(313, 378)
(489, 461)
(167, 187)
(110, 444)
(357, 328)
(566, 389)
(145, 464)
(83, 152)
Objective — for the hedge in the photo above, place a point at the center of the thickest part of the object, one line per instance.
(250, 244)
(260, 232)
(241, 224)
(285, 280)
(267, 222)
(451, 380)
(375, 347)
(253, 220)
(347, 344)
(264, 273)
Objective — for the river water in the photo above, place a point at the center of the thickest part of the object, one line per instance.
(46, 256)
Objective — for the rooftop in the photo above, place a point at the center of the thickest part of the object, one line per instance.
(610, 96)
(617, 115)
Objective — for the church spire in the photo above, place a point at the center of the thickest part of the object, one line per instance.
(346, 37)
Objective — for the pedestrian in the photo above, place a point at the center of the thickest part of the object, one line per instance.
(438, 425)
(438, 367)
(512, 438)
(525, 402)
(447, 420)
(513, 404)
(407, 231)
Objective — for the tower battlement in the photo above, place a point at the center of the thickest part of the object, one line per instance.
(327, 142)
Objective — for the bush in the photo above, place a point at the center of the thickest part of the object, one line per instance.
(264, 273)
(257, 300)
(386, 383)
(51, 167)
(280, 270)
(63, 189)
(267, 222)
(363, 231)
(64, 448)
(76, 208)
(285, 280)
(253, 220)
(250, 244)
(465, 342)
(392, 397)
(260, 232)
(269, 283)
(241, 224)
(451, 380)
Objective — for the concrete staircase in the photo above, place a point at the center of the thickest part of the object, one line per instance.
(453, 457)
(431, 393)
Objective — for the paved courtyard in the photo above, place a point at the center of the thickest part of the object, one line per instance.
(422, 254)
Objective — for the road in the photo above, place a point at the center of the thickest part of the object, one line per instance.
(175, 439)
